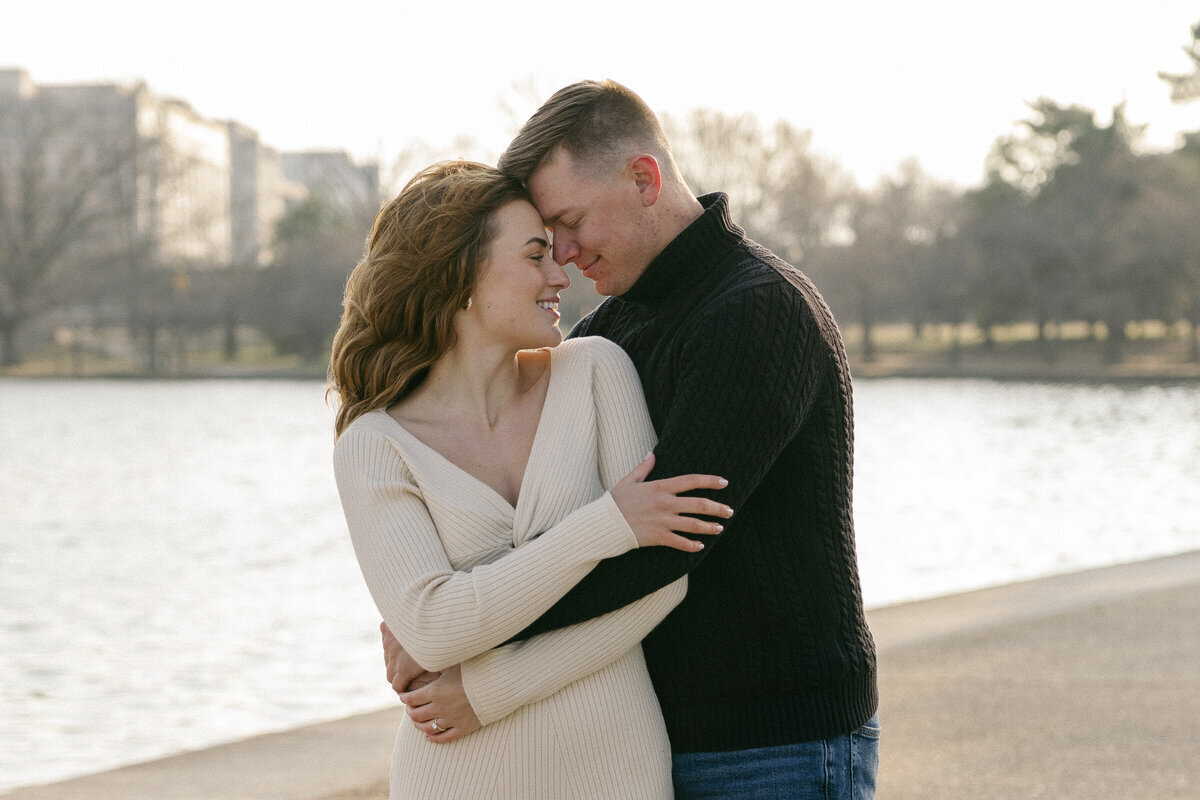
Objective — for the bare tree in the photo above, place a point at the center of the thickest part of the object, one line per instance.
(173, 223)
(896, 227)
(787, 197)
(56, 191)
(297, 300)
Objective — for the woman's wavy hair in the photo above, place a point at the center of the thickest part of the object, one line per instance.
(417, 272)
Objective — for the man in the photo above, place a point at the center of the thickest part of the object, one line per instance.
(766, 671)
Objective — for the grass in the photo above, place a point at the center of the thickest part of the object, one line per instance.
(192, 357)
(1076, 351)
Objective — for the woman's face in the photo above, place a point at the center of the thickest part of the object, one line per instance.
(515, 299)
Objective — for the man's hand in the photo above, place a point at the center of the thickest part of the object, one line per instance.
(403, 673)
(440, 709)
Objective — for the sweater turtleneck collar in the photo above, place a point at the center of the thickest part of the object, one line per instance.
(690, 255)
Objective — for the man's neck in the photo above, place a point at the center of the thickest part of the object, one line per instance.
(682, 210)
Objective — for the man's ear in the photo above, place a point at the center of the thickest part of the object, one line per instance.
(647, 177)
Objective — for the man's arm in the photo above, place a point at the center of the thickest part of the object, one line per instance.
(753, 369)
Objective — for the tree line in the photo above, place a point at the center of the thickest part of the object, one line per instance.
(1074, 222)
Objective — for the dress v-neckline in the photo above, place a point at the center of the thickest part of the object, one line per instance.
(529, 462)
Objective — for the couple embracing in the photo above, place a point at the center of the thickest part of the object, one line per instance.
(620, 565)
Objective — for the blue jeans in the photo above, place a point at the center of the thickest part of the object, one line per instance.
(841, 768)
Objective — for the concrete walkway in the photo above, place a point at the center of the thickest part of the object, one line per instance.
(1078, 686)
(1085, 686)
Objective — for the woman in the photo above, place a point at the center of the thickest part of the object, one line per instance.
(483, 472)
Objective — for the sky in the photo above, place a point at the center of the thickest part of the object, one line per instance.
(876, 81)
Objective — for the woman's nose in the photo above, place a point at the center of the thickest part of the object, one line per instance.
(558, 277)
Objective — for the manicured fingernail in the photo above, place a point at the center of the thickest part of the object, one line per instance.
(723, 482)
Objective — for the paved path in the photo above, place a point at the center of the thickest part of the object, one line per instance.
(1085, 686)
(1078, 686)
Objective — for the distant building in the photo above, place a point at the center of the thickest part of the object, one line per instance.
(259, 195)
(170, 187)
(153, 174)
(67, 158)
(190, 166)
(333, 176)
(15, 83)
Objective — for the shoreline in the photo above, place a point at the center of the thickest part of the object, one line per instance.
(883, 368)
(1028, 371)
(922, 644)
(1151, 353)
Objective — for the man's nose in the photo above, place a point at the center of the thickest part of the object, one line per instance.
(564, 249)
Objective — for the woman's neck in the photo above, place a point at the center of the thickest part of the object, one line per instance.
(473, 384)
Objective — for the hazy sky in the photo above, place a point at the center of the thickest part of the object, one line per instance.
(875, 80)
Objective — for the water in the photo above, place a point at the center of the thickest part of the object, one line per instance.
(962, 484)
(174, 569)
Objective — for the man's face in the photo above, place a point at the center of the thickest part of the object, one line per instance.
(598, 220)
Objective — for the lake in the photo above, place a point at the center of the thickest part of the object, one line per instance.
(175, 571)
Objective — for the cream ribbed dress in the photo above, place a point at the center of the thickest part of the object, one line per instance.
(456, 570)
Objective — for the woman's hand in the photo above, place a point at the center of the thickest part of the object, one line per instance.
(440, 709)
(655, 511)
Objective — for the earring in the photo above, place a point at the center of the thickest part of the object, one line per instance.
(470, 300)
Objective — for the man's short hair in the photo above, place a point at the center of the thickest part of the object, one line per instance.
(596, 122)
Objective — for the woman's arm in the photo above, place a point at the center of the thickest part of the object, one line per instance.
(502, 680)
(442, 616)
(491, 686)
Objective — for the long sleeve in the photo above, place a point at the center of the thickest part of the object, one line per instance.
(504, 679)
(443, 616)
(745, 376)
(732, 423)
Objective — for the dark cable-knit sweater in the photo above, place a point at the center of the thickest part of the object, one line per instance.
(745, 377)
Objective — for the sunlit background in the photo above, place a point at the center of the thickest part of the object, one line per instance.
(876, 82)
(174, 569)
